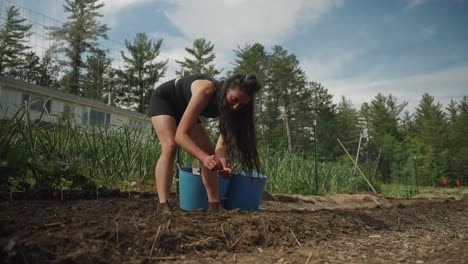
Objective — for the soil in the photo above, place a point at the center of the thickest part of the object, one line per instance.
(361, 228)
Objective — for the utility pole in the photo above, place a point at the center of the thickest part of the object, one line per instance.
(415, 174)
(368, 158)
(316, 162)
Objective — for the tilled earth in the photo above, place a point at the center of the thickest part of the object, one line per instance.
(361, 228)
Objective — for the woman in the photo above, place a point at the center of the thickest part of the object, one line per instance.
(175, 108)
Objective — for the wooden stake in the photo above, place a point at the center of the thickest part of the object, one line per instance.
(227, 241)
(168, 224)
(364, 176)
(295, 237)
(357, 154)
(309, 258)
(238, 239)
(116, 232)
(154, 242)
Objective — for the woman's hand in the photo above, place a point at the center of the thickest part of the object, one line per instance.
(225, 173)
(212, 163)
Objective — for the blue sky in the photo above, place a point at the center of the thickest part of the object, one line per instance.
(354, 48)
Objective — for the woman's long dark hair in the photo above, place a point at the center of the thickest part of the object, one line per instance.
(237, 127)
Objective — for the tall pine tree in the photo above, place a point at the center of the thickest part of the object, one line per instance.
(254, 59)
(287, 83)
(431, 129)
(452, 110)
(13, 47)
(29, 71)
(80, 34)
(203, 53)
(430, 122)
(97, 75)
(323, 110)
(49, 71)
(347, 118)
(141, 72)
(382, 117)
(458, 144)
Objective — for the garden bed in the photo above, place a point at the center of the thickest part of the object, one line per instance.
(125, 228)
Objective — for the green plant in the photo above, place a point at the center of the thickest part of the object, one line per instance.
(292, 173)
(64, 155)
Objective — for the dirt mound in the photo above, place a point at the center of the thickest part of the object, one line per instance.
(288, 229)
(310, 202)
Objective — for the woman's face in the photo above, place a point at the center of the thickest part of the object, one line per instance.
(237, 99)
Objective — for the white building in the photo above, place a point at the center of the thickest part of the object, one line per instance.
(14, 94)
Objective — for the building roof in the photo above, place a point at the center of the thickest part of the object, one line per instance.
(67, 97)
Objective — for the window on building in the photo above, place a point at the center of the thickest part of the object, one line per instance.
(25, 99)
(85, 116)
(67, 109)
(98, 117)
(67, 112)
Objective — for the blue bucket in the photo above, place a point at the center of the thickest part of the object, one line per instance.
(193, 192)
(245, 192)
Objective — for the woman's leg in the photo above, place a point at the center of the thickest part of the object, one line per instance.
(209, 178)
(165, 127)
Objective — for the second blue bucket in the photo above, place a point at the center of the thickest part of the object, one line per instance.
(245, 192)
(192, 191)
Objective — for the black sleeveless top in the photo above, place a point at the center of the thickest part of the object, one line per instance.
(181, 94)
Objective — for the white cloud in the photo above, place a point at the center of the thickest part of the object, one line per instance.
(225, 23)
(427, 32)
(326, 65)
(114, 9)
(172, 46)
(172, 49)
(230, 23)
(414, 3)
(444, 85)
(115, 6)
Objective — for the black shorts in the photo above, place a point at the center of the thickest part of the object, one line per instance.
(161, 105)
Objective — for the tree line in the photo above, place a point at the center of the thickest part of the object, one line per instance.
(432, 138)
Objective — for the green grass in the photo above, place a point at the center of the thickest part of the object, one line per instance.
(409, 191)
(398, 190)
(443, 192)
(294, 174)
(66, 155)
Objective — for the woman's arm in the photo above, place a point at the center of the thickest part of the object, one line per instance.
(202, 93)
(220, 151)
